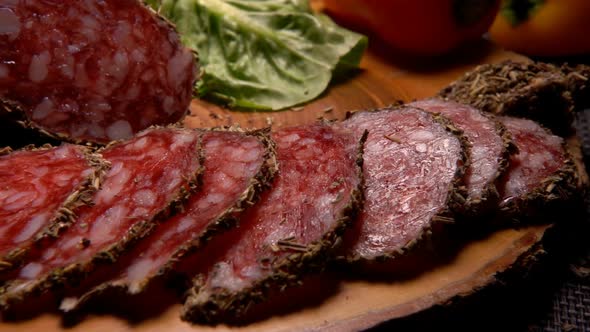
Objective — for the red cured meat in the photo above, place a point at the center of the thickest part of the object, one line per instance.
(38, 190)
(147, 174)
(410, 165)
(278, 237)
(92, 70)
(236, 165)
(488, 153)
(536, 167)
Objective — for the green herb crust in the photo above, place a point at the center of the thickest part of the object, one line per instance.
(535, 90)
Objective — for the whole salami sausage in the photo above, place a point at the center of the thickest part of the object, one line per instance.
(413, 168)
(150, 176)
(238, 167)
(288, 231)
(92, 70)
(40, 192)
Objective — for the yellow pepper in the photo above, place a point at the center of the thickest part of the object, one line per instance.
(543, 27)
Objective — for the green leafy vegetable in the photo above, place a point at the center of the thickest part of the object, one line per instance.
(262, 54)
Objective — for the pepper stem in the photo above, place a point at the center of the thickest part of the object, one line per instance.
(470, 12)
(519, 11)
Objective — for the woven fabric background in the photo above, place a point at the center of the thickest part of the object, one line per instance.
(570, 310)
(571, 303)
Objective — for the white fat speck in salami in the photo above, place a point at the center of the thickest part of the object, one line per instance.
(42, 109)
(38, 69)
(10, 25)
(145, 197)
(119, 130)
(31, 271)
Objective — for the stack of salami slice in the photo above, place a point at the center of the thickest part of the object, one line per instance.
(234, 214)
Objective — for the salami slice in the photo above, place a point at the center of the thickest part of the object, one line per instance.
(92, 70)
(489, 153)
(149, 176)
(40, 192)
(541, 173)
(237, 168)
(535, 90)
(413, 166)
(289, 230)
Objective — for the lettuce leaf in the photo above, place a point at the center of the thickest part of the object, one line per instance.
(262, 54)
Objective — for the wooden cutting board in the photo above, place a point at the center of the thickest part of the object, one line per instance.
(352, 304)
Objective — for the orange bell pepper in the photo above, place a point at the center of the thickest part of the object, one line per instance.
(423, 27)
(543, 27)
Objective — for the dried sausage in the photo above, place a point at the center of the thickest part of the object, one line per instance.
(237, 168)
(41, 190)
(294, 223)
(490, 149)
(412, 168)
(149, 175)
(92, 70)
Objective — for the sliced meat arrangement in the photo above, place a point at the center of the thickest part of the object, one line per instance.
(489, 153)
(269, 207)
(40, 191)
(539, 91)
(150, 175)
(92, 70)
(541, 173)
(413, 165)
(288, 231)
(237, 168)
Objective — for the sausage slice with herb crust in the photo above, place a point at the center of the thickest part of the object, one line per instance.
(489, 154)
(540, 175)
(238, 167)
(288, 232)
(41, 190)
(413, 167)
(150, 176)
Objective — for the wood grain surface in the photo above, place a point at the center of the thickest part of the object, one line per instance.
(348, 304)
